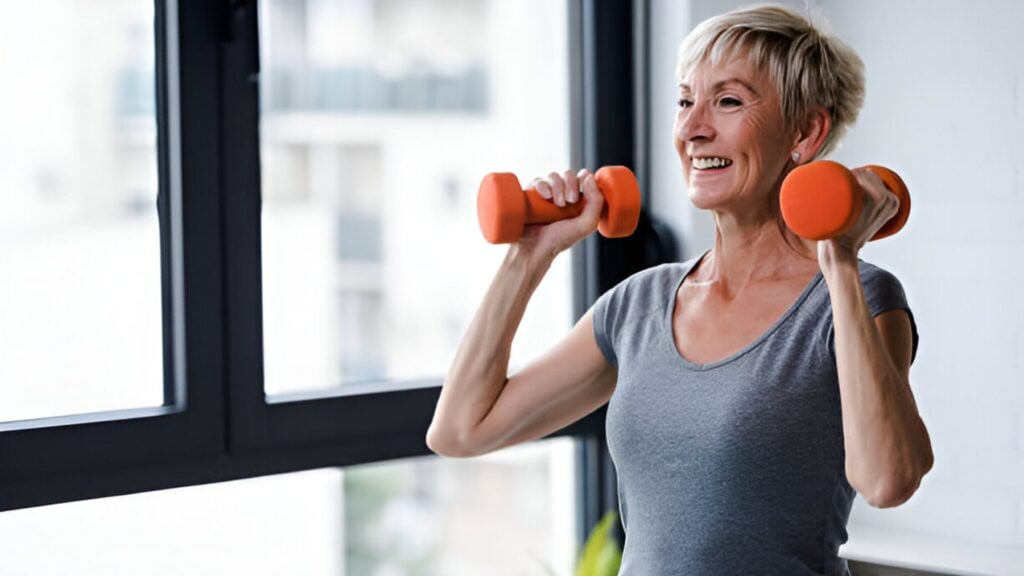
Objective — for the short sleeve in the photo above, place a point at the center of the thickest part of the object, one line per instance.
(645, 294)
(884, 292)
(607, 310)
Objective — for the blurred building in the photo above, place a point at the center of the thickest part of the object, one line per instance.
(379, 119)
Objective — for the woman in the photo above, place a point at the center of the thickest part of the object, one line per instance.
(752, 390)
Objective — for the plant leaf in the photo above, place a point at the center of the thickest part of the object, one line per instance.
(601, 554)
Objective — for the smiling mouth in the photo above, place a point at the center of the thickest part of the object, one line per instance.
(710, 163)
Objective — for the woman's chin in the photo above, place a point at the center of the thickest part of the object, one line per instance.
(704, 201)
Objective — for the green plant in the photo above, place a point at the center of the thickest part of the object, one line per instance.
(602, 554)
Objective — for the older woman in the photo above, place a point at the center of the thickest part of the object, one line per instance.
(752, 390)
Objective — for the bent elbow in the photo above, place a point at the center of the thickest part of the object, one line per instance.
(893, 493)
(897, 490)
(885, 499)
(438, 444)
(446, 445)
(899, 484)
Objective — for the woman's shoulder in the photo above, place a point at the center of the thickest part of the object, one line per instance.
(884, 292)
(870, 270)
(652, 285)
(645, 291)
(875, 278)
(662, 272)
(668, 274)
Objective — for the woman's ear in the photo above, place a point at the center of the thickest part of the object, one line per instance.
(810, 136)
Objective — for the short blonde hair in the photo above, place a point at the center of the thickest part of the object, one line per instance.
(809, 68)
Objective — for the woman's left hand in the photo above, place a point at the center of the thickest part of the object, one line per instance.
(879, 206)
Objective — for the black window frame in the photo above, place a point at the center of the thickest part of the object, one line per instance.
(222, 427)
(49, 460)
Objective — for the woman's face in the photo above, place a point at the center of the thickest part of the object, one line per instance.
(730, 136)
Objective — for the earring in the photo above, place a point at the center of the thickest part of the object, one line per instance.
(796, 156)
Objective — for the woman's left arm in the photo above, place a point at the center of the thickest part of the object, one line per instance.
(888, 449)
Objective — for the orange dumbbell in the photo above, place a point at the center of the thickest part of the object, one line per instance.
(823, 199)
(504, 208)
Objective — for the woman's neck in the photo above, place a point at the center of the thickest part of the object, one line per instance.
(753, 251)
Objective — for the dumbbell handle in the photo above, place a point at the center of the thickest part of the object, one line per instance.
(823, 200)
(540, 210)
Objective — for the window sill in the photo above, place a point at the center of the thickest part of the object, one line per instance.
(917, 551)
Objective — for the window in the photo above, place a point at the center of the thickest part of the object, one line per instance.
(512, 511)
(128, 167)
(80, 315)
(378, 120)
(313, 187)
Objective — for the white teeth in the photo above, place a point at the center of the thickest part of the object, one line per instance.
(713, 162)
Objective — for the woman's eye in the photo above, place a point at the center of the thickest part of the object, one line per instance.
(684, 103)
(729, 101)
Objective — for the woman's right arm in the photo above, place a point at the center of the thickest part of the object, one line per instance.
(482, 408)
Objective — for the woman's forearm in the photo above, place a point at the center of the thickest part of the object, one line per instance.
(479, 371)
(888, 450)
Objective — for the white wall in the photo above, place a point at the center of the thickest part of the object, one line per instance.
(945, 108)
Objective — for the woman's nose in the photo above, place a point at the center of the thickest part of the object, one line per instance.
(694, 123)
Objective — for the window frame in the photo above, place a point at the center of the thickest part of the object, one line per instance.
(55, 459)
(223, 429)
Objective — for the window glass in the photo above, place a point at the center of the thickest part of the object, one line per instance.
(80, 315)
(379, 119)
(504, 514)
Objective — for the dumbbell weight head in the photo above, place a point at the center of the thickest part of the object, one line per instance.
(820, 200)
(501, 208)
(823, 199)
(621, 212)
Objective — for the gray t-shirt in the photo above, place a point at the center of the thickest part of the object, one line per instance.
(734, 467)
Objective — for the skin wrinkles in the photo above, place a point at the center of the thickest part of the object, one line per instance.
(729, 110)
(725, 114)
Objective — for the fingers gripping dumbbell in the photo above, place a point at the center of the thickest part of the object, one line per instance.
(504, 208)
(823, 199)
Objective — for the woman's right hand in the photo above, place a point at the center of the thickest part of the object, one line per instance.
(564, 189)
